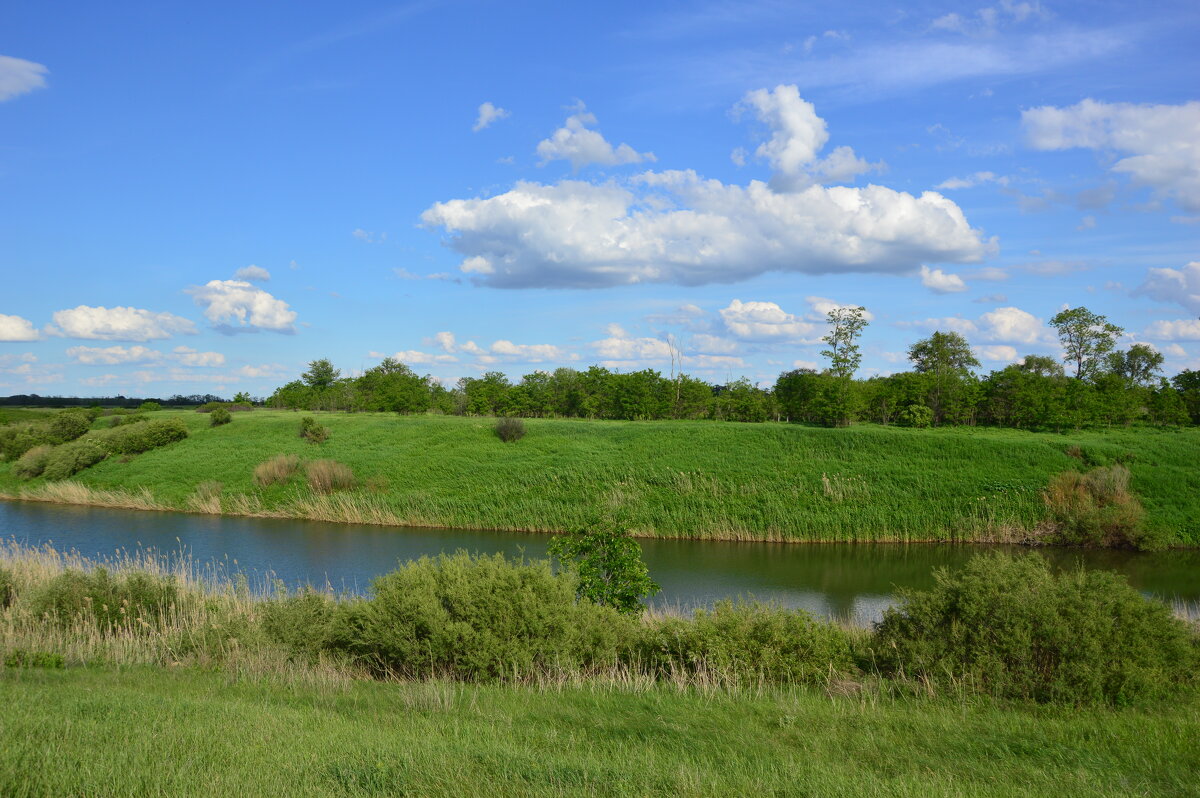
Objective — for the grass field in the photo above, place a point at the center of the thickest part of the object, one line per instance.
(678, 479)
(144, 731)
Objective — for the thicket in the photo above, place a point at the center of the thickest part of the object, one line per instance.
(71, 458)
(1098, 509)
(219, 416)
(33, 462)
(62, 427)
(134, 601)
(138, 438)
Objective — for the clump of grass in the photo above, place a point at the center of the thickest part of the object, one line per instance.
(207, 498)
(311, 431)
(278, 469)
(219, 416)
(33, 462)
(326, 476)
(1097, 509)
(510, 429)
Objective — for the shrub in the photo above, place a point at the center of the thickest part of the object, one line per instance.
(149, 407)
(208, 407)
(20, 658)
(33, 462)
(16, 439)
(71, 458)
(135, 439)
(107, 600)
(477, 617)
(8, 589)
(608, 566)
(510, 429)
(918, 416)
(240, 407)
(219, 416)
(300, 623)
(1097, 509)
(750, 641)
(1011, 627)
(69, 425)
(311, 431)
(279, 468)
(326, 476)
(137, 418)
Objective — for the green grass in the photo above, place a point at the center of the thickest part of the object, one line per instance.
(673, 478)
(17, 415)
(143, 731)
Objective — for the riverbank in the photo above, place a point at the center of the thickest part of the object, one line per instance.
(709, 480)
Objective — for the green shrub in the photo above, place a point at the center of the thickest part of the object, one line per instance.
(71, 458)
(607, 564)
(136, 418)
(746, 641)
(240, 407)
(109, 601)
(1097, 509)
(311, 431)
(16, 439)
(149, 407)
(510, 429)
(1012, 627)
(219, 416)
(326, 476)
(8, 589)
(137, 438)
(478, 617)
(918, 416)
(69, 425)
(20, 658)
(208, 407)
(300, 623)
(33, 462)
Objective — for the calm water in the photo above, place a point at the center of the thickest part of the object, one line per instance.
(826, 579)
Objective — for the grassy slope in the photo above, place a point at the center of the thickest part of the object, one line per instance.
(703, 479)
(151, 732)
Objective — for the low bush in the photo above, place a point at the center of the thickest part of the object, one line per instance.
(299, 623)
(69, 425)
(1097, 509)
(746, 642)
(327, 476)
(478, 617)
(240, 407)
(279, 468)
(20, 658)
(71, 458)
(208, 407)
(136, 418)
(138, 438)
(510, 429)
(8, 589)
(219, 416)
(33, 462)
(918, 416)
(1011, 627)
(149, 407)
(135, 600)
(16, 439)
(311, 431)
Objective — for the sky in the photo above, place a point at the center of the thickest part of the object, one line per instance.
(204, 197)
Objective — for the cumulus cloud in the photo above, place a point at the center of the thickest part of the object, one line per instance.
(118, 324)
(191, 357)
(413, 357)
(112, 355)
(1176, 330)
(581, 145)
(821, 306)
(1161, 142)
(997, 353)
(939, 282)
(619, 348)
(1009, 325)
(970, 181)
(236, 305)
(1181, 286)
(488, 114)
(501, 350)
(253, 274)
(15, 328)
(18, 76)
(767, 321)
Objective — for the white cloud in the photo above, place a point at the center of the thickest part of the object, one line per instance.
(1177, 330)
(18, 76)
(971, 181)
(113, 355)
(264, 370)
(998, 353)
(805, 364)
(500, 350)
(992, 299)
(821, 306)
(488, 114)
(766, 321)
(190, 357)
(367, 236)
(1181, 286)
(1175, 350)
(579, 144)
(1014, 325)
(939, 282)
(416, 358)
(252, 274)
(712, 344)
(15, 328)
(1162, 142)
(576, 234)
(234, 305)
(528, 353)
(989, 19)
(118, 324)
(621, 349)
(7, 361)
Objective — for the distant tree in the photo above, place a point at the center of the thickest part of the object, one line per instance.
(845, 326)
(946, 361)
(1187, 382)
(1138, 365)
(1041, 365)
(320, 374)
(1086, 339)
(242, 397)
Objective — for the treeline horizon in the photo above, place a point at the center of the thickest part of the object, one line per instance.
(175, 400)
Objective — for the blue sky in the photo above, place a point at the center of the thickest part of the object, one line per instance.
(204, 197)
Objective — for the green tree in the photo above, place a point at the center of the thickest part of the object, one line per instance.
(320, 374)
(1086, 339)
(1187, 382)
(946, 360)
(845, 327)
(1138, 365)
(608, 565)
(242, 397)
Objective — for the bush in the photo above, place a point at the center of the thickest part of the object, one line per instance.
(752, 641)
(138, 438)
(300, 623)
(1097, 509)
(219, 416)
(326, 476)
(478, 617)
(20, 658)
(149, 407)
(69, 425)
(8, 589)
(118, 421)
(608, 566)
(16, 439)
(510, 429)
(1011, 627)
(279, 468)
(109, 601)
(311, 431)
(918, 416)
(33, 462)
(208, 407)
(240, 407)
(71, 458)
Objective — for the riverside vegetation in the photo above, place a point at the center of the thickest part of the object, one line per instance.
(462, 673)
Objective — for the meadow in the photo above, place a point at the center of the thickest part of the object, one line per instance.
(694, 479)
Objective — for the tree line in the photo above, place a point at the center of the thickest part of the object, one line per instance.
(1096, 384)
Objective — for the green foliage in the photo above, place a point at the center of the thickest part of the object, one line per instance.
(16, 439)
(33, 462)
(320, 374)
(750, 642)
(137, 438)
(71, 458)
(1086, 339)
(1011, 627)
(608, 566)
(477, 617)
(69, 425)
(136, 600)
(918, 416)
(1098, 509)
(20, 658)
(219, 416)
(300, 622)
(242, 398)
(311, 431)
(509, 429)
(8, 588)
(149, 407)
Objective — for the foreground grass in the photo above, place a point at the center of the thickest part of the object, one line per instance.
(141, 731)
(675, 479)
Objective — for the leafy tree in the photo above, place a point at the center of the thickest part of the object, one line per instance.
(1138, 365)
(608, 564)
(242, 397)
(1086, 339)
(320, 374)
(946, 360)
(1187, 382)
(1041, 365)
(845, 326)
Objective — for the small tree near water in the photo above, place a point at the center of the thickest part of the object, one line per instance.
(608, 564)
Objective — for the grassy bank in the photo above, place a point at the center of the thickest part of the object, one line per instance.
(679, 479)
(140, 731)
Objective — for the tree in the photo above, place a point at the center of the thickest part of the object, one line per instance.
(1086, 339)
(320, 374)
(242, 397)
(1187, 382)
(946, 360)
(1138, 365)
(845, 326)
(608, 565)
